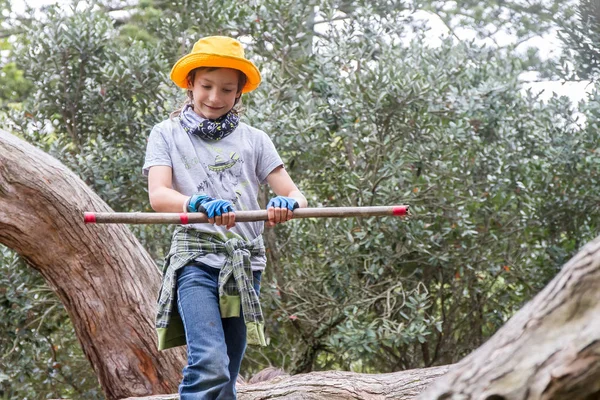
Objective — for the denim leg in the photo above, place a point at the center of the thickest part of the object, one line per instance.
(215, 346)
(207, 371)
(235, 338)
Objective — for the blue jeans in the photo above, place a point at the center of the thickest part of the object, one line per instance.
(215, 346)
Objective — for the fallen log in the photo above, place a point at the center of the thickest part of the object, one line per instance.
(336, 385)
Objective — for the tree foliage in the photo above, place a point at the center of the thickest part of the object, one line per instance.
(581, 36)
(40, 353)
(500, 184)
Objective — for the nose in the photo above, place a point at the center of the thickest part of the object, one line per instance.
(214, 96)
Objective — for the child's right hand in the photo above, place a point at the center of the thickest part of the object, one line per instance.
(218, 211)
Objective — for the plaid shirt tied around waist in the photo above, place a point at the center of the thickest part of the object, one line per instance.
(235, 283)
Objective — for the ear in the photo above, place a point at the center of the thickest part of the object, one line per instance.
(190, 81)
(238, 96)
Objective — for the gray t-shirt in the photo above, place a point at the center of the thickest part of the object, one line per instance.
(230, 169)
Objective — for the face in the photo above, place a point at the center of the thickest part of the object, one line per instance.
(214, 92)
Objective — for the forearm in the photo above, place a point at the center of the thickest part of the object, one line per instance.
(163, 199)
(299, 197)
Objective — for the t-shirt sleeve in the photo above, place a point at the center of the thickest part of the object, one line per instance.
(157, 151)
(268, 158)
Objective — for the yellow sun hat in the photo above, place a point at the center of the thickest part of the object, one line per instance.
(220, 52)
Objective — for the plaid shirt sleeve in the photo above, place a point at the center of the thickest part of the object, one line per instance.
(235, 279)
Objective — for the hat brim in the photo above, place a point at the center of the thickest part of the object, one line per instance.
(185, 64)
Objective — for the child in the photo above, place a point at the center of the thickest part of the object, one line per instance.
(203, 159)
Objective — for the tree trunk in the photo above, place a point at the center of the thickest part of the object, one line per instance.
(105, 279)
(550, 349)
(332, 385)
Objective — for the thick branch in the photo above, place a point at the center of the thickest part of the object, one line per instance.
(549, 350)
(102, 275)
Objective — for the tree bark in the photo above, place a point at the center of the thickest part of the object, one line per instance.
(550, 349)
(103, 276)
(335, 385)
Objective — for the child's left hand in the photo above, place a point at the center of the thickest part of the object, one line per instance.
(280, 209)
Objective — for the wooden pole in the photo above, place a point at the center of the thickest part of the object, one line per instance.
(241, 216)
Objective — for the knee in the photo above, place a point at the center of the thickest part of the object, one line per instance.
(214, 367)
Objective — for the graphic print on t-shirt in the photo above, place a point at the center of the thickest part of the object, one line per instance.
(225, 175)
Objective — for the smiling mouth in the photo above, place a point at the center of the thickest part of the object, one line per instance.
(213, 108)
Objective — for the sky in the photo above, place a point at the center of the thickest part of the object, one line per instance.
(548, 46)
(19, 6)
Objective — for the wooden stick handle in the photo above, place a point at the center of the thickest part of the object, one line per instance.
(240, 216)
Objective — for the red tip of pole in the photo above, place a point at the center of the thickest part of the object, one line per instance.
(183, 217)
(89, 218)
(401, 210)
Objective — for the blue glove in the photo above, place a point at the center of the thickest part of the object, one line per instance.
(194, 202)
(283, 202)
(215, 207)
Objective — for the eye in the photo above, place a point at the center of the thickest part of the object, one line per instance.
(206, 87)
(227, 90)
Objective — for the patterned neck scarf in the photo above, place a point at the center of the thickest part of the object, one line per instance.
(208, 129)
